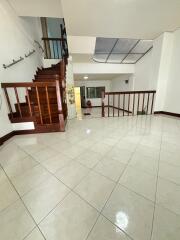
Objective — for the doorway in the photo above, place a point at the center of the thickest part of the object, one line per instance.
(83, 96)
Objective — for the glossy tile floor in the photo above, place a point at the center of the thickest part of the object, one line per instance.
(103, 179)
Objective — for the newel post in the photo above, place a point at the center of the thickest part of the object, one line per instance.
(103, 97)
(60, 110)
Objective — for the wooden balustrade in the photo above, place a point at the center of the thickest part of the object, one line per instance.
(127, 103)
(35, 108)
(56, 48)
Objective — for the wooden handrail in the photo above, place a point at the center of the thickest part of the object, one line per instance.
(53, 39)
(129, 102)
(28, 84)
(41, 92)
(129, 92)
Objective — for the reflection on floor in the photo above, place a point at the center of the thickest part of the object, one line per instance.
(103, 179)
(96, 112)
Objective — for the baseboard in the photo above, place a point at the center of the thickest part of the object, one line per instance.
(39, 129)
(6, 137)
(168, 113)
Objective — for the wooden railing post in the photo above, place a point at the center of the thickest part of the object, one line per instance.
(123, 103)
(108, 105)
(18, 103)
(48, 104)
(8, 101)
(60, 110)
(103, 97)
(152, 103)
(29, 103)
(134, 97)
(118, 103)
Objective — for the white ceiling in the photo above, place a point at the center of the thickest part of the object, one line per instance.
(38, 8)
(141, 19)
(95, 77)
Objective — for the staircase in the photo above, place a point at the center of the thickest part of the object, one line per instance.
(48, 75)
(45, 99)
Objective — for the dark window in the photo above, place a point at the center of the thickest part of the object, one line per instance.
(95, 92)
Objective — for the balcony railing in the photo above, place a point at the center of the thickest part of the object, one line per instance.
(127, 103)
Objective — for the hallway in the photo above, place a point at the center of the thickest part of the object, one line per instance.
(104, 178)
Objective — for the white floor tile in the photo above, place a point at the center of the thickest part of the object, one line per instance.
(166, 225)
(169, 172)
(101, 148)
(44, 154)
(89, 158)
(131, 213)
(72, 174)
(121, 155)
(8, 195)
(35, 235)
(15, 222)
(144, 163)
(139, 182)
(95, 189)
(148, 151)
(168, 195)
(71, 220)
(42, 199)
(11, 153)
(30, 179)
(33, 148)
(19, 166)
(110, 168)
(57, 162)
(170, 158)
(73, 151)
(126, 145)
(105, 230)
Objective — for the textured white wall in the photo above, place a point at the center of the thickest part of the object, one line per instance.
(143, 73)
(173, 85)
(16, 40)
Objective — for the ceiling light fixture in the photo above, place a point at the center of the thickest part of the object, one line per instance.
(85, 77)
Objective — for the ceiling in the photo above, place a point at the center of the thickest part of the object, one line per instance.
(139, 19)
(38, 8)
(93, 77)
(121, 50)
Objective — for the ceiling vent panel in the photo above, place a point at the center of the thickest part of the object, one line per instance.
(121, 50)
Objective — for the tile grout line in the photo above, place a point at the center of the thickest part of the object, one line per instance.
(153, 217)
(100, 174)
(24, 204)
(100, 213)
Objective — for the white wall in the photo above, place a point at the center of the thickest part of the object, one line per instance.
(152, 71)
(118, 84)
(172, 100)
(103, 68)
(95, 83)
(16, 40)
(143, 73)
(166, 41)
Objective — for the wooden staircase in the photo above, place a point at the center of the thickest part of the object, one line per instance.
(45, 99)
